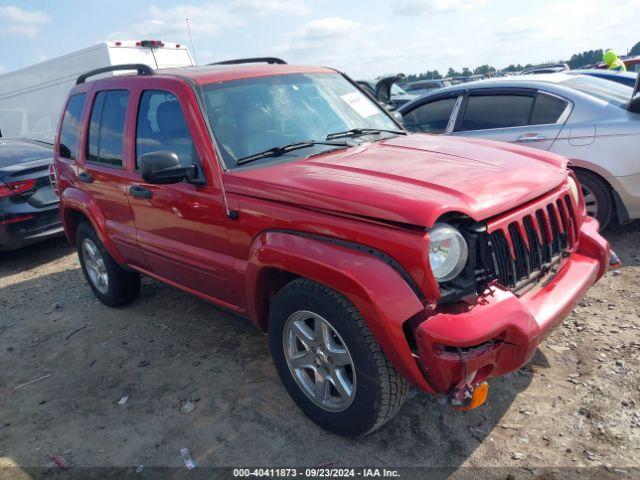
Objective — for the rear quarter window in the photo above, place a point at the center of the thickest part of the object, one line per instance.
(70, 129)
(547, 109)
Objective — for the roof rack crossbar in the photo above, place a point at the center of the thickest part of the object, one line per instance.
(238, 61)
(141, 68)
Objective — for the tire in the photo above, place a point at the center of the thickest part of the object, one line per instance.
(598, 197)
(377, 392)
(121, 286)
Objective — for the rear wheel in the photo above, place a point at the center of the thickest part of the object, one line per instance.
(597, 197)
(330, 362)
(112, 284)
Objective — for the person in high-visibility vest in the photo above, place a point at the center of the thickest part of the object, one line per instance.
(613, 62)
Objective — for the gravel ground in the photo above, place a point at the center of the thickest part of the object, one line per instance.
(196, 377)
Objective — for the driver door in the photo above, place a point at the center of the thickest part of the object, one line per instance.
(181, 228)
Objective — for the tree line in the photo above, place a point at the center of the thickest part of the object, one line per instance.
(577, 60)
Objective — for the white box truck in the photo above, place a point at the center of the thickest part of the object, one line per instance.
(32, 98)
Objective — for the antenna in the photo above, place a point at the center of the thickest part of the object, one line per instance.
(193, 49)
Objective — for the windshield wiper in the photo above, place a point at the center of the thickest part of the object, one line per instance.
(356, 132)
(277, 151)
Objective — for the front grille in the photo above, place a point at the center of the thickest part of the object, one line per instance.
(518, 252)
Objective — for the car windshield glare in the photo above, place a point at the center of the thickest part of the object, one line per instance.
(602, 89)
(252, 115)
(398, 90)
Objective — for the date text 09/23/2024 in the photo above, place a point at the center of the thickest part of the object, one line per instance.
(316, 472)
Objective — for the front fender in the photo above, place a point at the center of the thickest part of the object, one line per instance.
(75, 200)
(382, 296)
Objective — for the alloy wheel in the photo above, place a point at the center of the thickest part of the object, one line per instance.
(319, 361)
(96, 268)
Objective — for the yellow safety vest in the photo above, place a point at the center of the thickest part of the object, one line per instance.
(618, 65)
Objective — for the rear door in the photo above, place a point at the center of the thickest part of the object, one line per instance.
(103, 172)
(524, 116)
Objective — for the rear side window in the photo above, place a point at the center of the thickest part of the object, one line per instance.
(71, 126)
(106, 128)
(485, 112)
(431, 117)
(547, 109)
(161, 126)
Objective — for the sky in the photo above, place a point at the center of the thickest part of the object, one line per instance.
(365, 39)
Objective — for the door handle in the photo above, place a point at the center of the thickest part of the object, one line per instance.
(140, 192)
(530, 137)
(85, 177)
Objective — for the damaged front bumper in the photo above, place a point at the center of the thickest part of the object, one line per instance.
(461, 346)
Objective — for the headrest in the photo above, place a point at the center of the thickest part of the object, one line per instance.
(170, 119)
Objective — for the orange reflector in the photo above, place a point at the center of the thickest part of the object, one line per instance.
(478, 398)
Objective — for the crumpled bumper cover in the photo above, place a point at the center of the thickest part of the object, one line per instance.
(500, 332)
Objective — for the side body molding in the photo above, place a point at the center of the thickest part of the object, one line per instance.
(382, 296)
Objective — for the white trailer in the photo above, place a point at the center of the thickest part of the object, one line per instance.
(32, 98)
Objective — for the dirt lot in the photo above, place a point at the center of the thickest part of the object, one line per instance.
(575, 405)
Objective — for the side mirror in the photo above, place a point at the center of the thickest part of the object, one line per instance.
(164, 168)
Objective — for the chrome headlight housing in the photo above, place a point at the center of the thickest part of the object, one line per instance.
(448, 252)
(574, 188)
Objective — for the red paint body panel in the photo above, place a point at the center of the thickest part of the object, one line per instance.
(355, 220)
(520, 324)
(408, 179)
(381, 295)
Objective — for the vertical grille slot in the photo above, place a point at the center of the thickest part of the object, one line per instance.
(523, 268)
(535, 250)
(546, 241)
(555, 231)
(517, 254)
(503, 258)
(566, 226)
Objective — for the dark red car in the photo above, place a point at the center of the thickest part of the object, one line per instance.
(374, 259)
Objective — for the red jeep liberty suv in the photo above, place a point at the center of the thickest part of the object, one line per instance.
(373, 258)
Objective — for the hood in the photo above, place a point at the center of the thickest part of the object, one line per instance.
(411, 179)
(14, 154)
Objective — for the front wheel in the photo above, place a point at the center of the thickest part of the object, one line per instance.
(597, 197)
(330, 362)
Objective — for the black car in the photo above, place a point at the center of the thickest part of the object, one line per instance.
(28, 205)
(426, 86)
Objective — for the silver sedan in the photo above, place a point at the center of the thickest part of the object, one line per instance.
(586, 119)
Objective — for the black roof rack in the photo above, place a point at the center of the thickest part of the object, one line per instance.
(238, 61)
(139, 67)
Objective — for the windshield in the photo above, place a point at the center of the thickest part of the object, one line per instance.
(606, 90)
(251, 115)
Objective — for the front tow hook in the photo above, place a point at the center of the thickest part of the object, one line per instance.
(614, 260)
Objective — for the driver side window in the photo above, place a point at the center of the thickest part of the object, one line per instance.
(161, 126)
